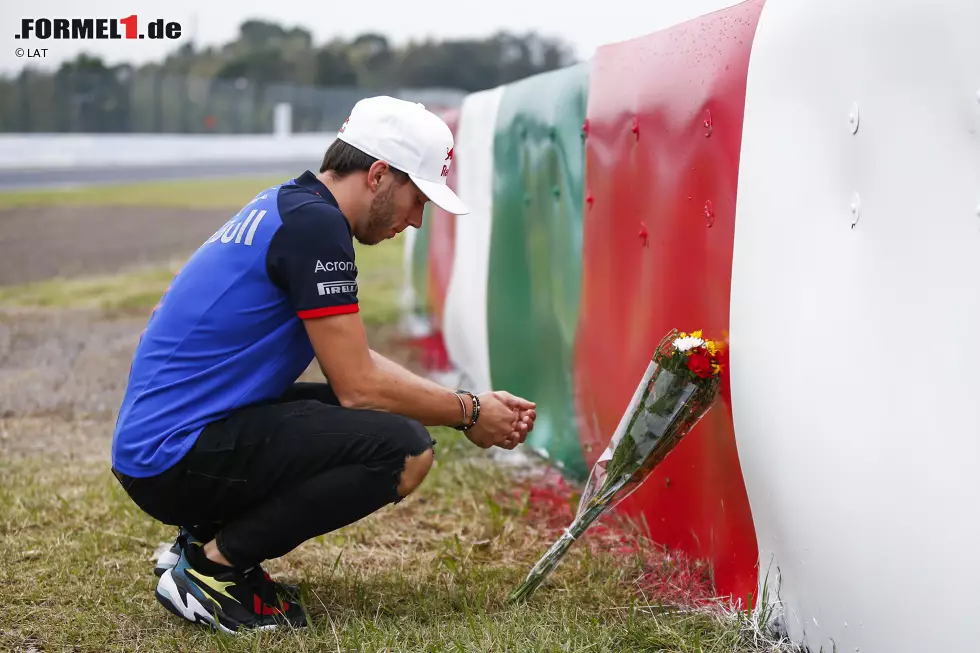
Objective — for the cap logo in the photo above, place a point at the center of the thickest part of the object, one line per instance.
(344, 126)
(445, 168)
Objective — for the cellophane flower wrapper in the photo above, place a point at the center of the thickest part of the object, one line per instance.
(667, 403)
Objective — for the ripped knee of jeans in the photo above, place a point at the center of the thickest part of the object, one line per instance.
(415, 471)
(415, 452)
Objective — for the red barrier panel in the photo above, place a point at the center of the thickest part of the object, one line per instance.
(441, 240)
(663, 136)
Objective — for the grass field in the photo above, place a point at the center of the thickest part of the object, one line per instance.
(430, 574)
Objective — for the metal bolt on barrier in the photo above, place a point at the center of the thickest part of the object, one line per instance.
(854, 118)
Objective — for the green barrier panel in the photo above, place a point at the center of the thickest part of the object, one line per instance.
(420, 264)
(536, 253)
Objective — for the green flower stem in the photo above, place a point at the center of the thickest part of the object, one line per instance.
(549, 561)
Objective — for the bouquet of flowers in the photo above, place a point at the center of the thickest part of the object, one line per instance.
(679, 386)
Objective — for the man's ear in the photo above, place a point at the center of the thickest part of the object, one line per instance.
(375, 174)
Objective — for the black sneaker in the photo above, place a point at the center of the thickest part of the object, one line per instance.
(231, 600)
(168, 559)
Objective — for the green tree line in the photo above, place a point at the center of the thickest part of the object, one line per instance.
(233, 88)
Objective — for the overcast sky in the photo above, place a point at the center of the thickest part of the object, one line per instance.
(214, 22)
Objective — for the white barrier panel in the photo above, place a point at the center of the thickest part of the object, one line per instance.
(855, 310)
(465, 314)
(52, 151)
(408, 303)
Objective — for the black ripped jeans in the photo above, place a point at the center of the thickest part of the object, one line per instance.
(273, 475)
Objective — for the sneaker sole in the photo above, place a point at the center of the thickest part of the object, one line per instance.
(169, 595)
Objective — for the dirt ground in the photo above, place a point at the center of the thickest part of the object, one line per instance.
(63, 372)
(43, 242)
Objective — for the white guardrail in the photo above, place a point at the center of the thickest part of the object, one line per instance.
(60, 151)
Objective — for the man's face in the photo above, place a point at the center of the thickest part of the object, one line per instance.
(394, 208)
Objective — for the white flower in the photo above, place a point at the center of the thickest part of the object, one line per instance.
(683, 344)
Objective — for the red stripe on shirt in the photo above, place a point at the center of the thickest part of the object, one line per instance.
(329, 310)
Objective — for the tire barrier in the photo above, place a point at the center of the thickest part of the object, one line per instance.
(805, 176)
(662, 155)
(856, 262)
(465, 322)
(442, 238)
(536, 253)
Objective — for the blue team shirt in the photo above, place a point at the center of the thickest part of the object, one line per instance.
(229, 331)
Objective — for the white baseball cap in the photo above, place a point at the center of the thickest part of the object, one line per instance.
(410, 138)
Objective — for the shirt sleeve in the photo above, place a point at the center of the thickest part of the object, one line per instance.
(311, 258)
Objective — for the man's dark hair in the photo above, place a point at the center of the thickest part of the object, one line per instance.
(342, 159)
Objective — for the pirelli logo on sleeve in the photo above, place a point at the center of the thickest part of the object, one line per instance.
(337, 287)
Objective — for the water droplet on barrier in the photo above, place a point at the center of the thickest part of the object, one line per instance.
(709, 213)
(855, 209)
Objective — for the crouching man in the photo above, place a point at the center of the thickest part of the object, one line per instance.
(214, 434)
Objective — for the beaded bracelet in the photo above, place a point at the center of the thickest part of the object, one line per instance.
(476, 410)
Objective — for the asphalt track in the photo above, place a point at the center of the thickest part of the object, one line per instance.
(11, 180)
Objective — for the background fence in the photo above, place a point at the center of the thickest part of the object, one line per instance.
(150, 101)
